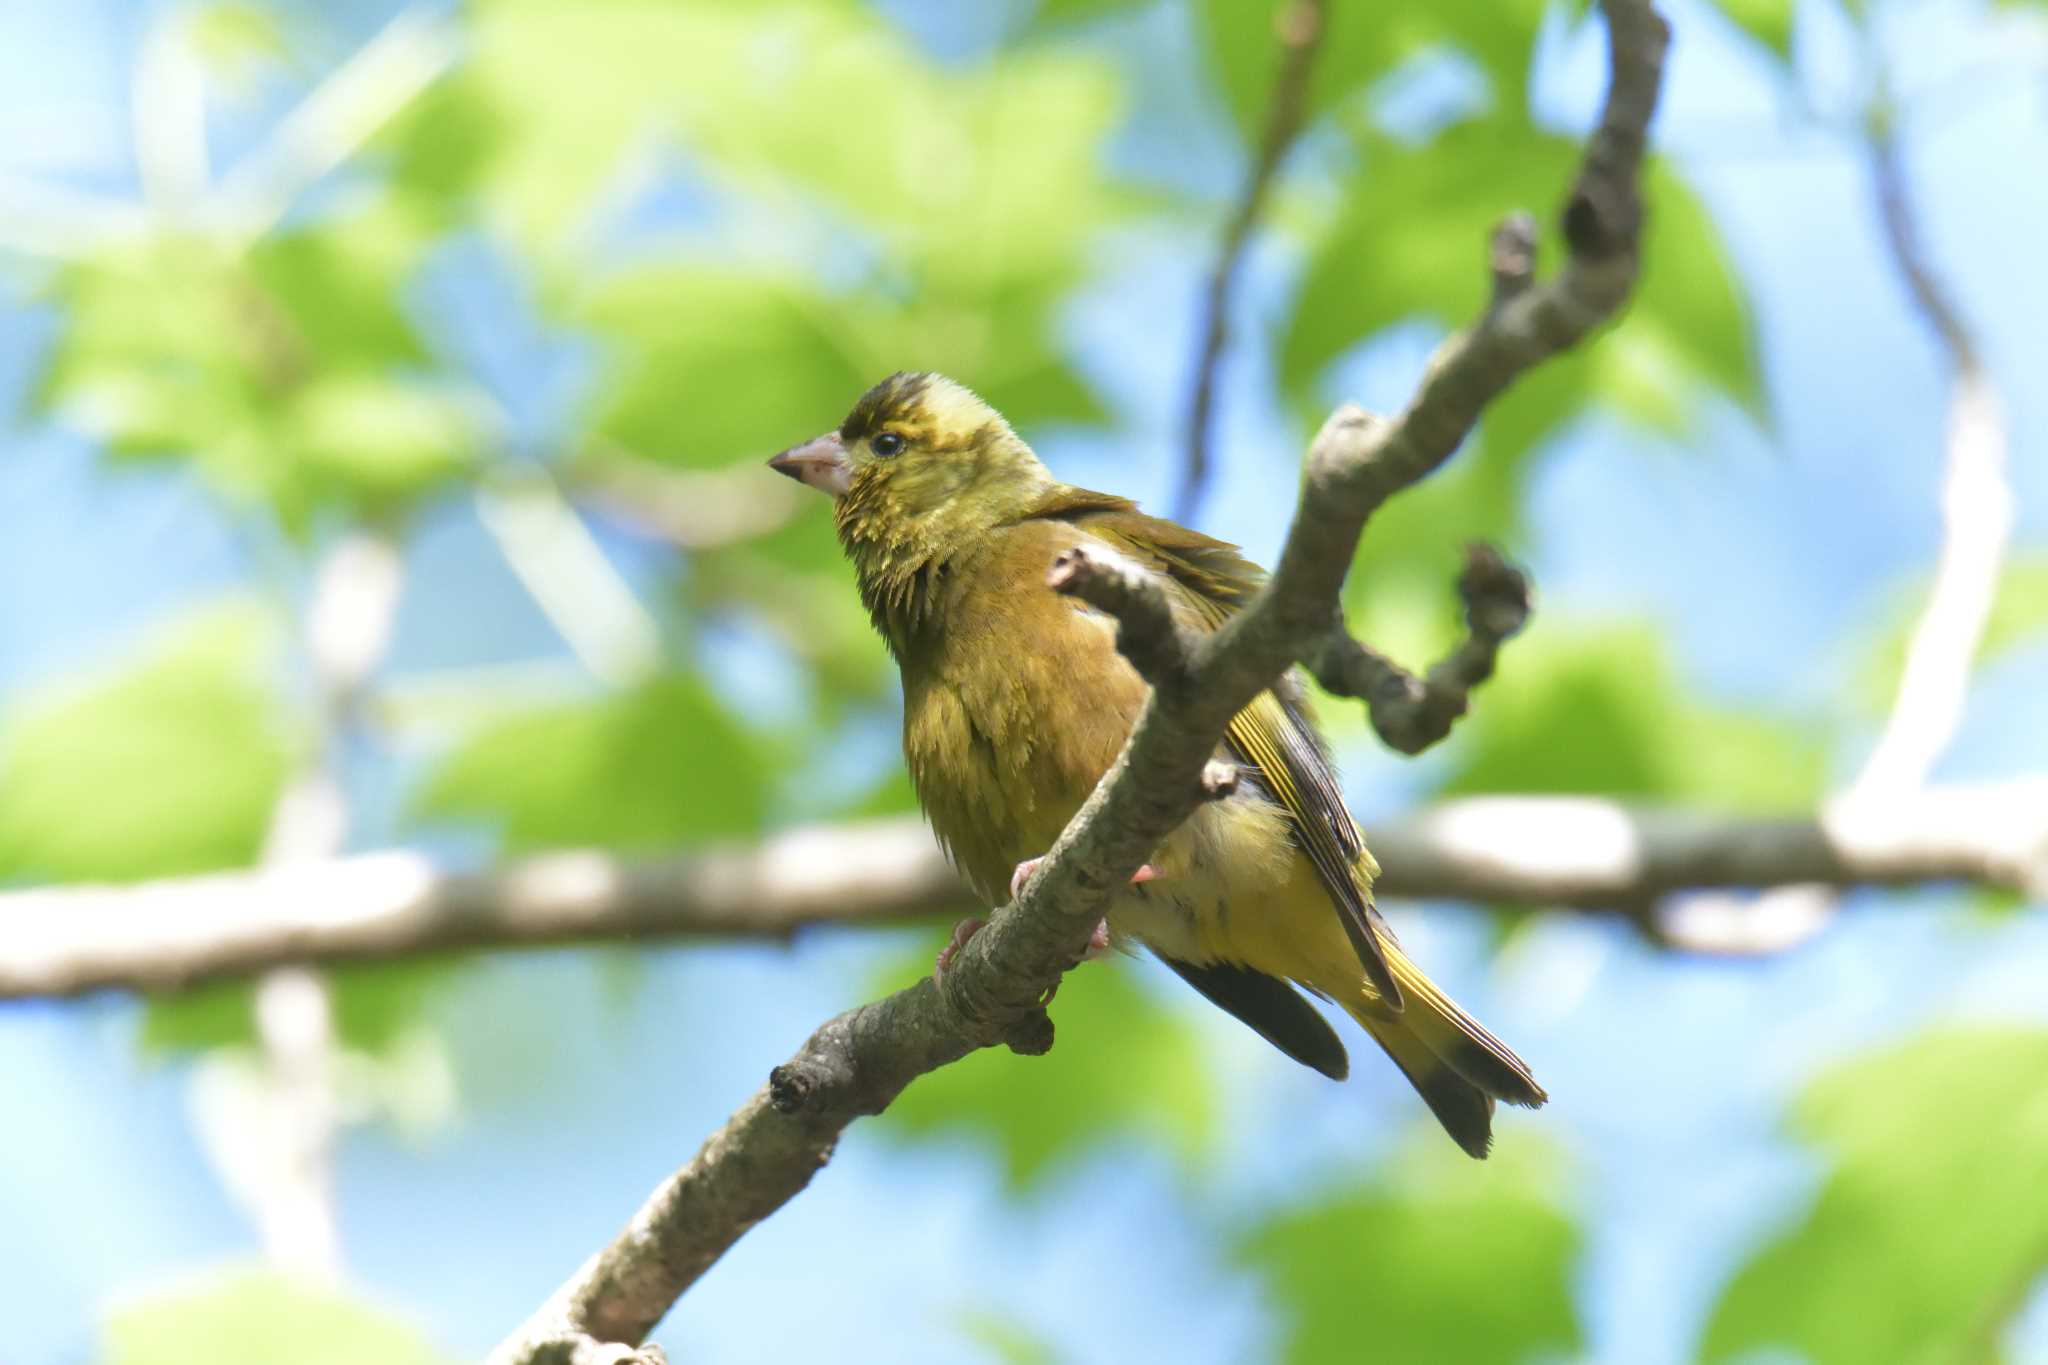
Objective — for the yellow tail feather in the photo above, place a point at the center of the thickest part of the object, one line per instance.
(1457, 1067)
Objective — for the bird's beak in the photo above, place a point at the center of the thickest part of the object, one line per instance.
(819, 462)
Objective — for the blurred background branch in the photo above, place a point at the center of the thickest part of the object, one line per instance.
(272, 1133)
(1299, 25)
(1529, 852)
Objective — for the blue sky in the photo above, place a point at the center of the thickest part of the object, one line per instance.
(1766, 554)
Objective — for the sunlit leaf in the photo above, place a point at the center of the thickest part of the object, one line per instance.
(1767, 21)
(1603, 712)
(255, 1315)
(716, 365)
(1052, 13)
(1441, 1259)
(649, 768)
(385, 441)
(235, 40)
(1409, 243)
(373, 1007)
(171, 765)
(1004, 1339)
(989, 174)
(287, 374)
(1361, 45)
(1927, 1234)
(1123, 1066)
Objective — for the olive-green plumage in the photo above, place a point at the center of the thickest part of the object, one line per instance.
(1016, 701)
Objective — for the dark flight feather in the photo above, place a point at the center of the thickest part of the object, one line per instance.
(1272, 1009)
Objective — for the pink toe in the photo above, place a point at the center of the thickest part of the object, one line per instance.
(1023, 875)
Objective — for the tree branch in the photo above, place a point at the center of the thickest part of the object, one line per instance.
(1535, 851)
(1300, 26)
(1412, 713)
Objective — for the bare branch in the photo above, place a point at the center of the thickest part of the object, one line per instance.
(1412, 713)
(1300, 27)
(1535, 851)
(170, 935)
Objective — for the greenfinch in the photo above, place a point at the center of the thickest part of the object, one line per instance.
(1016, 701)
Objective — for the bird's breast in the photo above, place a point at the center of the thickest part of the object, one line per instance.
(1014, 705)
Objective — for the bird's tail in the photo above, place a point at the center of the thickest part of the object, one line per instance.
(1457, 1067)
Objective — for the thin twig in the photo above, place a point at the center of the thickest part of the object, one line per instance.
(1976, 503)
(1412, 713)
(335, 119)
(274, 1129)
(995, 989)
(1299, 25)
(552, 552)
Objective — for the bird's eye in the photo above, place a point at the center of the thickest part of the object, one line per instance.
(887, 444)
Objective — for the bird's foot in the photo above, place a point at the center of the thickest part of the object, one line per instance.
(964, 930)
(1098, 944)
(1030, 865)
(1098, 941)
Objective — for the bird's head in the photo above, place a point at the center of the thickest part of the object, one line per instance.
(919, 459)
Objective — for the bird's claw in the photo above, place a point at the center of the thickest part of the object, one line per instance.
(1024, 870)
(964, 930)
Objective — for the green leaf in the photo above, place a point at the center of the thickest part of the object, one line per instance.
(1004, 1339)
(287, 374)
(1124, 1065)
(1409, 242)
(1361, 45)
(691, 337)
(385, 441)
(688, 336)
(235, 40)
(650, 768)
(1437, 1261)
(1929, 1231)
(1767, 21)
(374, 1006)
(170, 766)
(252, 1315)
(1409, 239)
(1602, 712)
(1053, 13)
(992, 174)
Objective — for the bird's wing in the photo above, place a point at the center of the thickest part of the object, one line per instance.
(1273, 735)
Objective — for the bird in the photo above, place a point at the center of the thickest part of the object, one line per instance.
(1016, 701)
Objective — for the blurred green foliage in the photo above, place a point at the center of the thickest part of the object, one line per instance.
(1603, 711)
(1391, 1269)
(1124, 1067)
(256, 1315)
(647, 768)
(1928, 1233)
(860, 206)
(170, 765)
